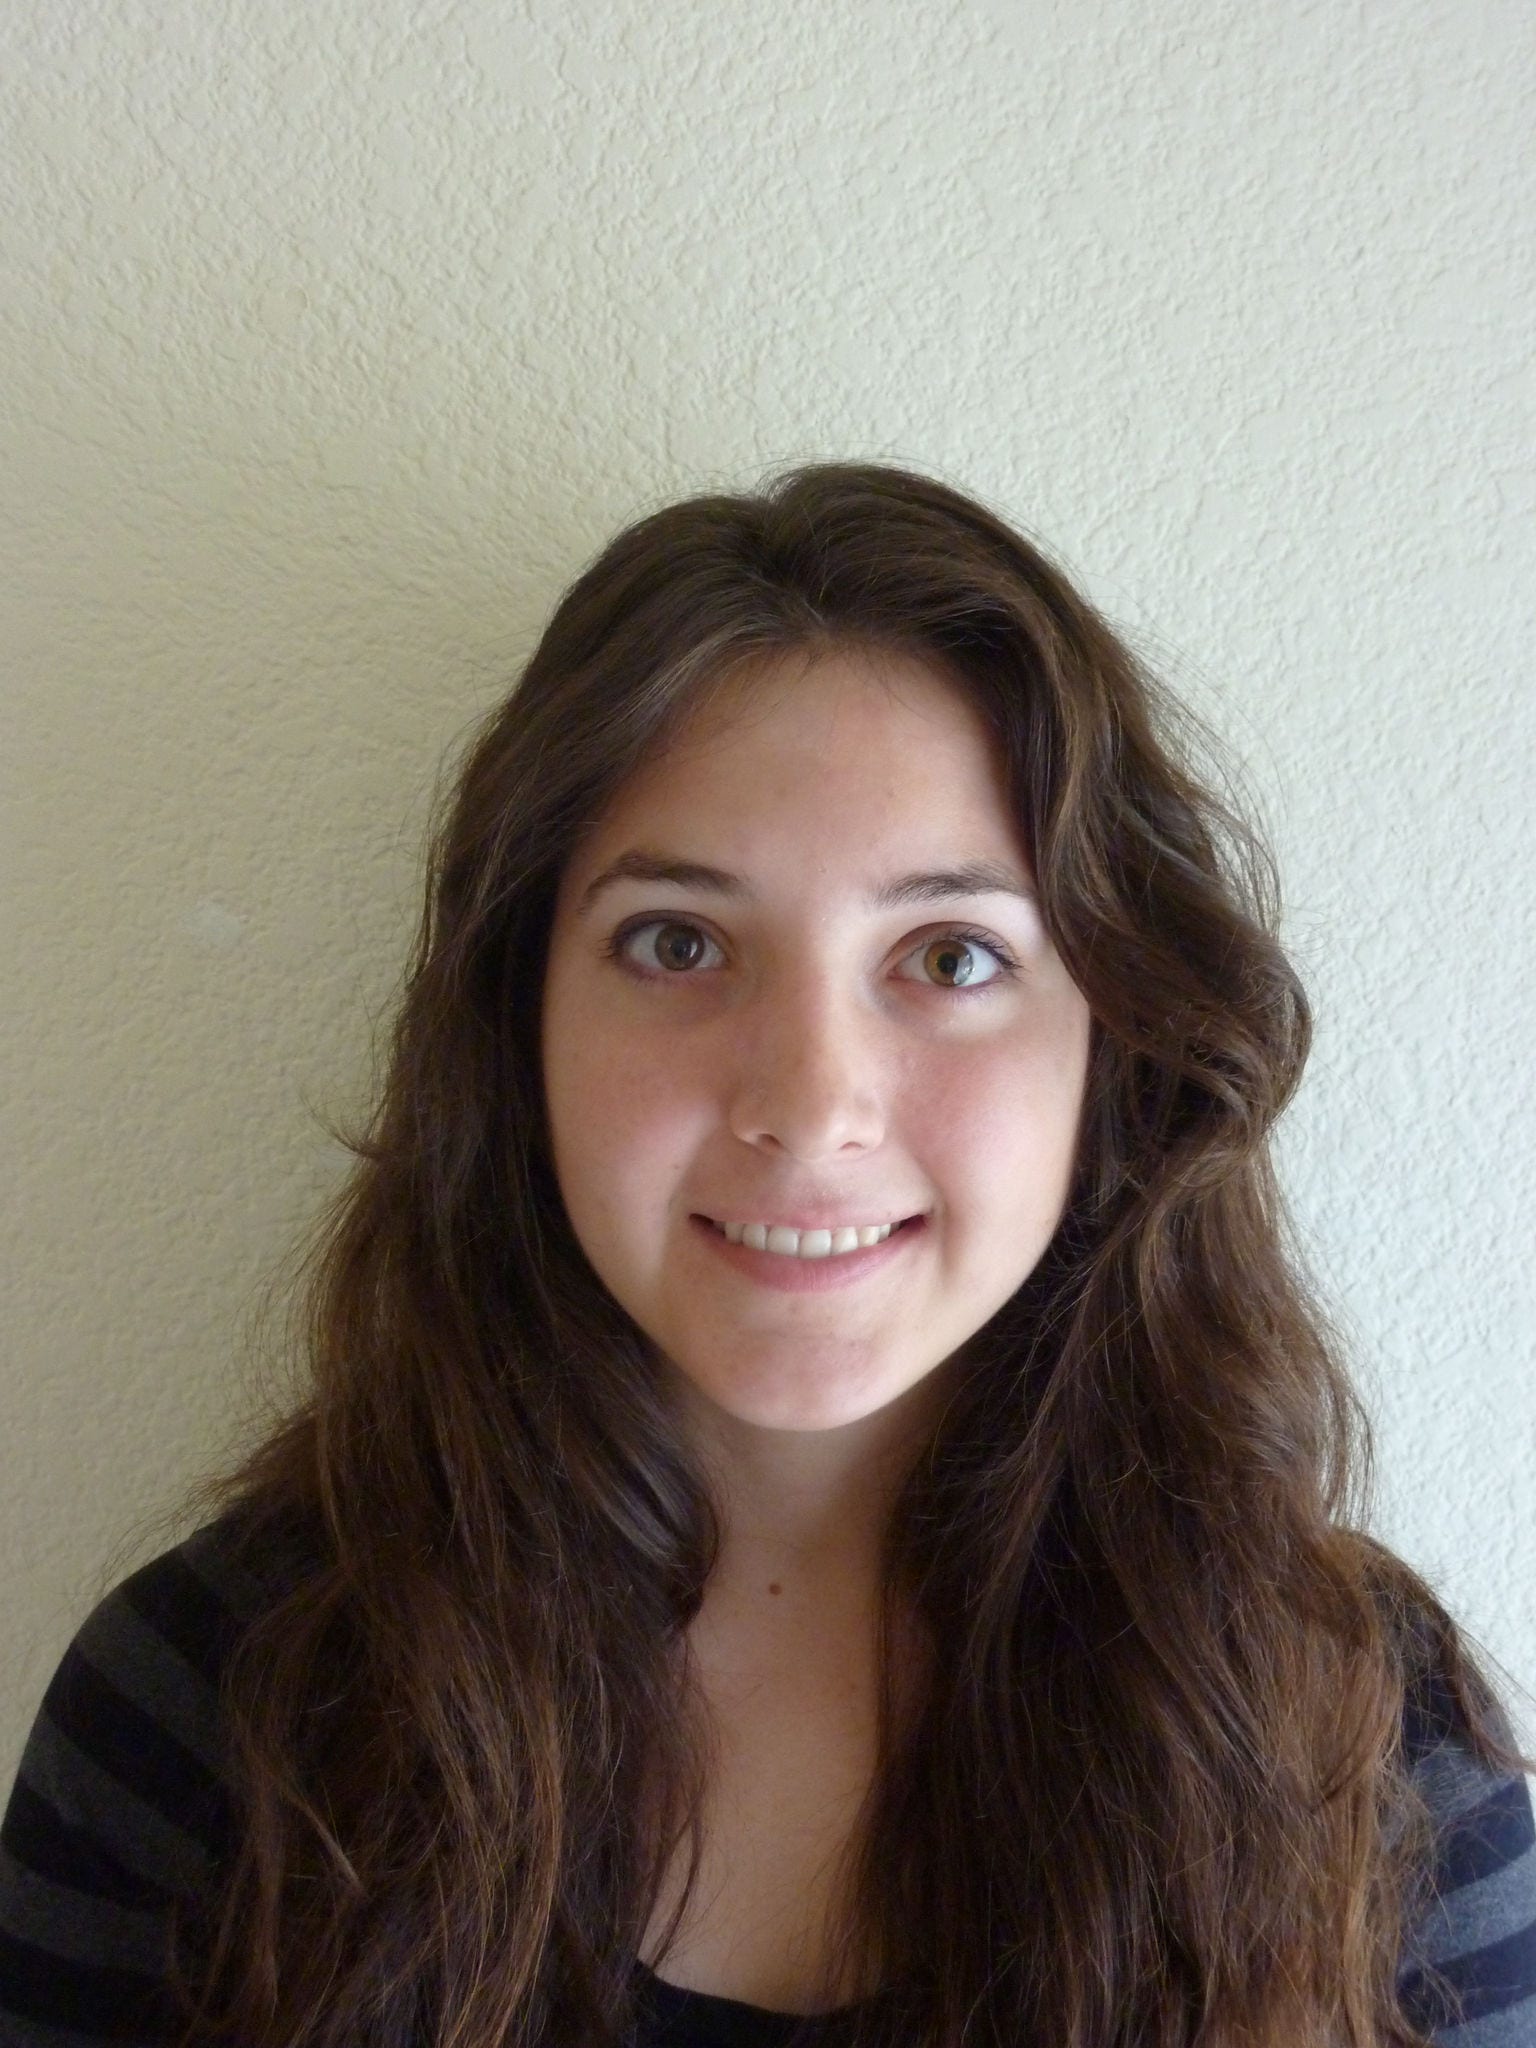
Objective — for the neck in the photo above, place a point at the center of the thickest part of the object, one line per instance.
(808, 1510)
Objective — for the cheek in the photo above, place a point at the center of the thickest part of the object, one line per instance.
(998, 1129)
(621, 1119)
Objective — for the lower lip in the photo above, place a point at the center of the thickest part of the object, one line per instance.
(791, 1275)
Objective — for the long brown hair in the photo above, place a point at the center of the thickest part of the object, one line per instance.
(1155, 1792)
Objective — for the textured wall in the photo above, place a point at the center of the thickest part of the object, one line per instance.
(338, 335)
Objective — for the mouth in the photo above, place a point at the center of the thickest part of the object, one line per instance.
(827, 1242)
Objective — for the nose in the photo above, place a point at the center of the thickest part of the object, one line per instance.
(806, 1078)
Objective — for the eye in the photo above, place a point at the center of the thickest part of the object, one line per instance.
(960, 960)
(667, 944)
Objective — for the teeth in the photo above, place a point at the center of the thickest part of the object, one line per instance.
(805, 1244)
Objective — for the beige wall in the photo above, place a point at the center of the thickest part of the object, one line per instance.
(338, 334)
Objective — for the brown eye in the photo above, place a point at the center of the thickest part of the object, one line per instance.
(958, 960)
(678, 946)
(950, 962)
(664, 943)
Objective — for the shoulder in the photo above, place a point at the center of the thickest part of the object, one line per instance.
(132, 1711)
(1469, 1975)
(120, 1808)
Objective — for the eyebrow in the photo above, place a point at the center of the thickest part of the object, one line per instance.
(930, 885)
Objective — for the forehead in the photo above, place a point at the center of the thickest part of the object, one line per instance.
(820, 745)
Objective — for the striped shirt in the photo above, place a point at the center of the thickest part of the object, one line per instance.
(120, 1809)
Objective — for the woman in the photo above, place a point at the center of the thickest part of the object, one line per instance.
(825, 1511)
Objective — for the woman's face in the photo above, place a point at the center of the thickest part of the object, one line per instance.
(797, 981)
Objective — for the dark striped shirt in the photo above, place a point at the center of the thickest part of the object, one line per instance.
(119, 1810)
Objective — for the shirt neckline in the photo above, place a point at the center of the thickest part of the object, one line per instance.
(676, 2000)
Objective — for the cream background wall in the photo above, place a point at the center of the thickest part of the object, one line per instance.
(338, 335)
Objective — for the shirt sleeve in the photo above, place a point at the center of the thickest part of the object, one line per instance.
(1469, 1973)
(119, 1817)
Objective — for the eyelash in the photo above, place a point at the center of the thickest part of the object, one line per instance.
(1008, 966)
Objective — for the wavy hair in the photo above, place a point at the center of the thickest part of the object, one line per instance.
(1155, 1789)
